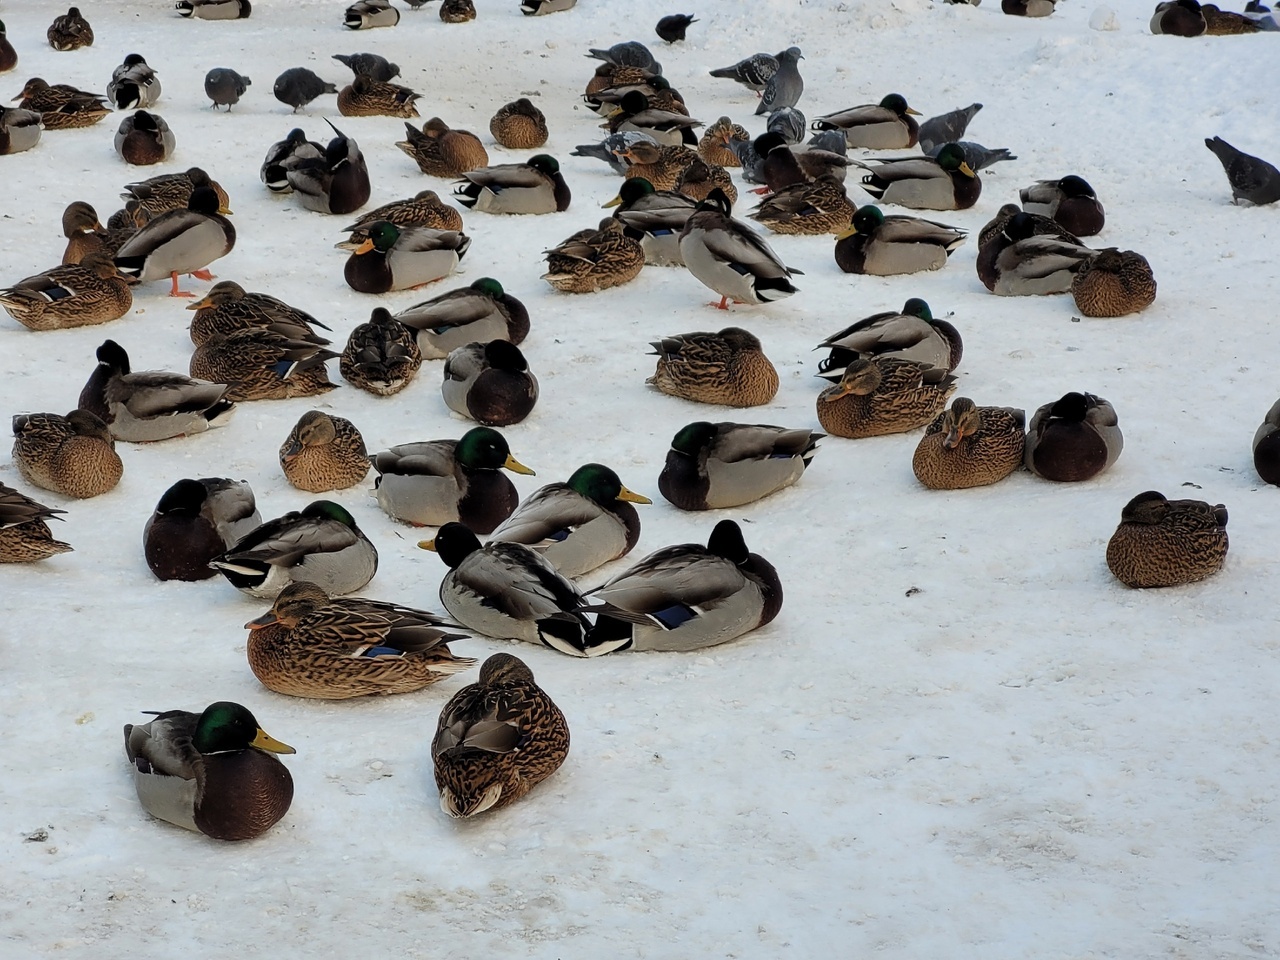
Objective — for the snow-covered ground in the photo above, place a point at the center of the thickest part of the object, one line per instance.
(961, 737)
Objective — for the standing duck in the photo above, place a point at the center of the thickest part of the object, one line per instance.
(711, 466)
(481, 312)
(519, 125)
(535, 186)
(886, 246)
(180, 241)
(490, 383)
(323, 453)
(381, 355)
(395, 259)
(887, 125)
(431, 483)
(1070, 201)
(25, 537)
(577, 525)
(911, 334)
(366, 97)
(970, 446)
(213, 772)
(71, 31)
(73, 455)
(498, 738)
(334, 648)
(195, 521)
(133, 84)
(144, 138)
(70, 295)
(440, 151)
(884, 395)
(62, 107)
(731, 258)
(728, 367)
(1166, 543)
(1073, 438)
(944, 182)
(321, 544)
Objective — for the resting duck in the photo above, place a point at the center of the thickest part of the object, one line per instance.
(85, 233)
(285, 155)
(1070, 201)
(1180, 18)
(19, 129)
(381, 355)
(338, 183)
(73, 455)
(1034, 264)
(215, 9)
(1266, 446)
(1073, 438)
(808, 209)
(887, 246)
(728, 367)
(662, 166)
(593, 260)
(1166, 543)
(180, 241)
(577, 525)
(884, 395)
(133, 84)
(944, 182)
(970, 446)
(171, 191)
(1114, 283)
(213, 772)
(887, 125)
(425, 209)
(62, 107)
(194, 522)
(71, 31)
(731, 258)
(143, 139)
(25, 537)
(323, 452)
(440, 151)
(535, 186)
(435, 482)
(490, 383)
(711, 466)
(369, 14)
(519, 125)
(911, 334)
(396, 259)
(498, 738)
(366, 97)
(228, 308)
(658, 216)
(480, 312)
(71, 295)
(334, 648)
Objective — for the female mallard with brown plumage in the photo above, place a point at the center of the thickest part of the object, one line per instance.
(228, 308)
(72, 295)
(1114, 283)
(426, 209)
(809, 209)
(62, 107)
(1165, 543)
(660, 164)
(713, 147)
(497, 739)
(366, 97)
(73, 455)
(71, 31)
(323, 452)
(258, 363)
(1073, 438)
(519, 125)
(381, 355)
(970, 446)
(886, 246)
(884, 395)
(172, 191)
(84, 232)
(440, 151)
(592, 260)
(334, 648)
(728, 367)
(25, 537)
(699, 178)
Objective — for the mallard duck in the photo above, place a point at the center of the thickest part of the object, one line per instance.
(321, 544)
(660, 165)
(611, 148)
(699, 178)
(713, 147)
(395, 259)
(779, 164)
(298, 86)
(658, 216)
(1180, 18)
(440, 151)
(180, 241)
(224, 87)
(366, 97)
(284, 155)
(1228, 23)
(613, 77)
(1165, 543)
(144, 138)
(577, 525)
(151, 404)
(502, 589)
(667, 127)
(133, 84)
(711, 466)
(1027, 8)
(815, 208)
(499, 738)
(683, 597)
(211, 772)
(752, 72)
(434, 482)
(215, 9)
(19, 129)
(372, 64)
(368, 14)
(884, 395)
(426, 209)
(1034, 264)
(887, 125)
(944, 182)
(1266, 446)
(995, 237)
(657, 90)
(8, 55)
(490, 383)
(323, 453)
(535, 186)
(259, 363)
(227, 308)
(381, 356)
(337, 184)
(728, 367)
(334, 648)
(519, 125)
(70, 295)
(480, 312)
(970, 446)
(672, 28)
(1073, 438)
(911, 334)
(731, 258)
(593, 260)
(887, 246)
(73, 455)
(129, 217)
(172, 191)
(25, 537)
(71, 31)
(195, 521)
(1070, 201)
(540, 8)
(1114, 283)
(62, 107)
(1252, 178)
(84, 233)
(457, 11)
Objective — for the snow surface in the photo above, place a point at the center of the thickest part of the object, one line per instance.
(961, 737)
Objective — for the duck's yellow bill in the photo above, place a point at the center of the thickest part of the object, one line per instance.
(264, 741)
(428, 545)
(515, 466)
(632, 497)
(848, 231)
(615, 202)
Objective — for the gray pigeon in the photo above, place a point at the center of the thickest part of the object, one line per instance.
(633, 53)
(753, 72)
(790, 123)
(975, 154)
(609, 148)
(298, 86)
(224, 86)
(784, 87)
(948, 128)
(833, 141)
(1252, 178)
(752, 162)
(372, 65)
